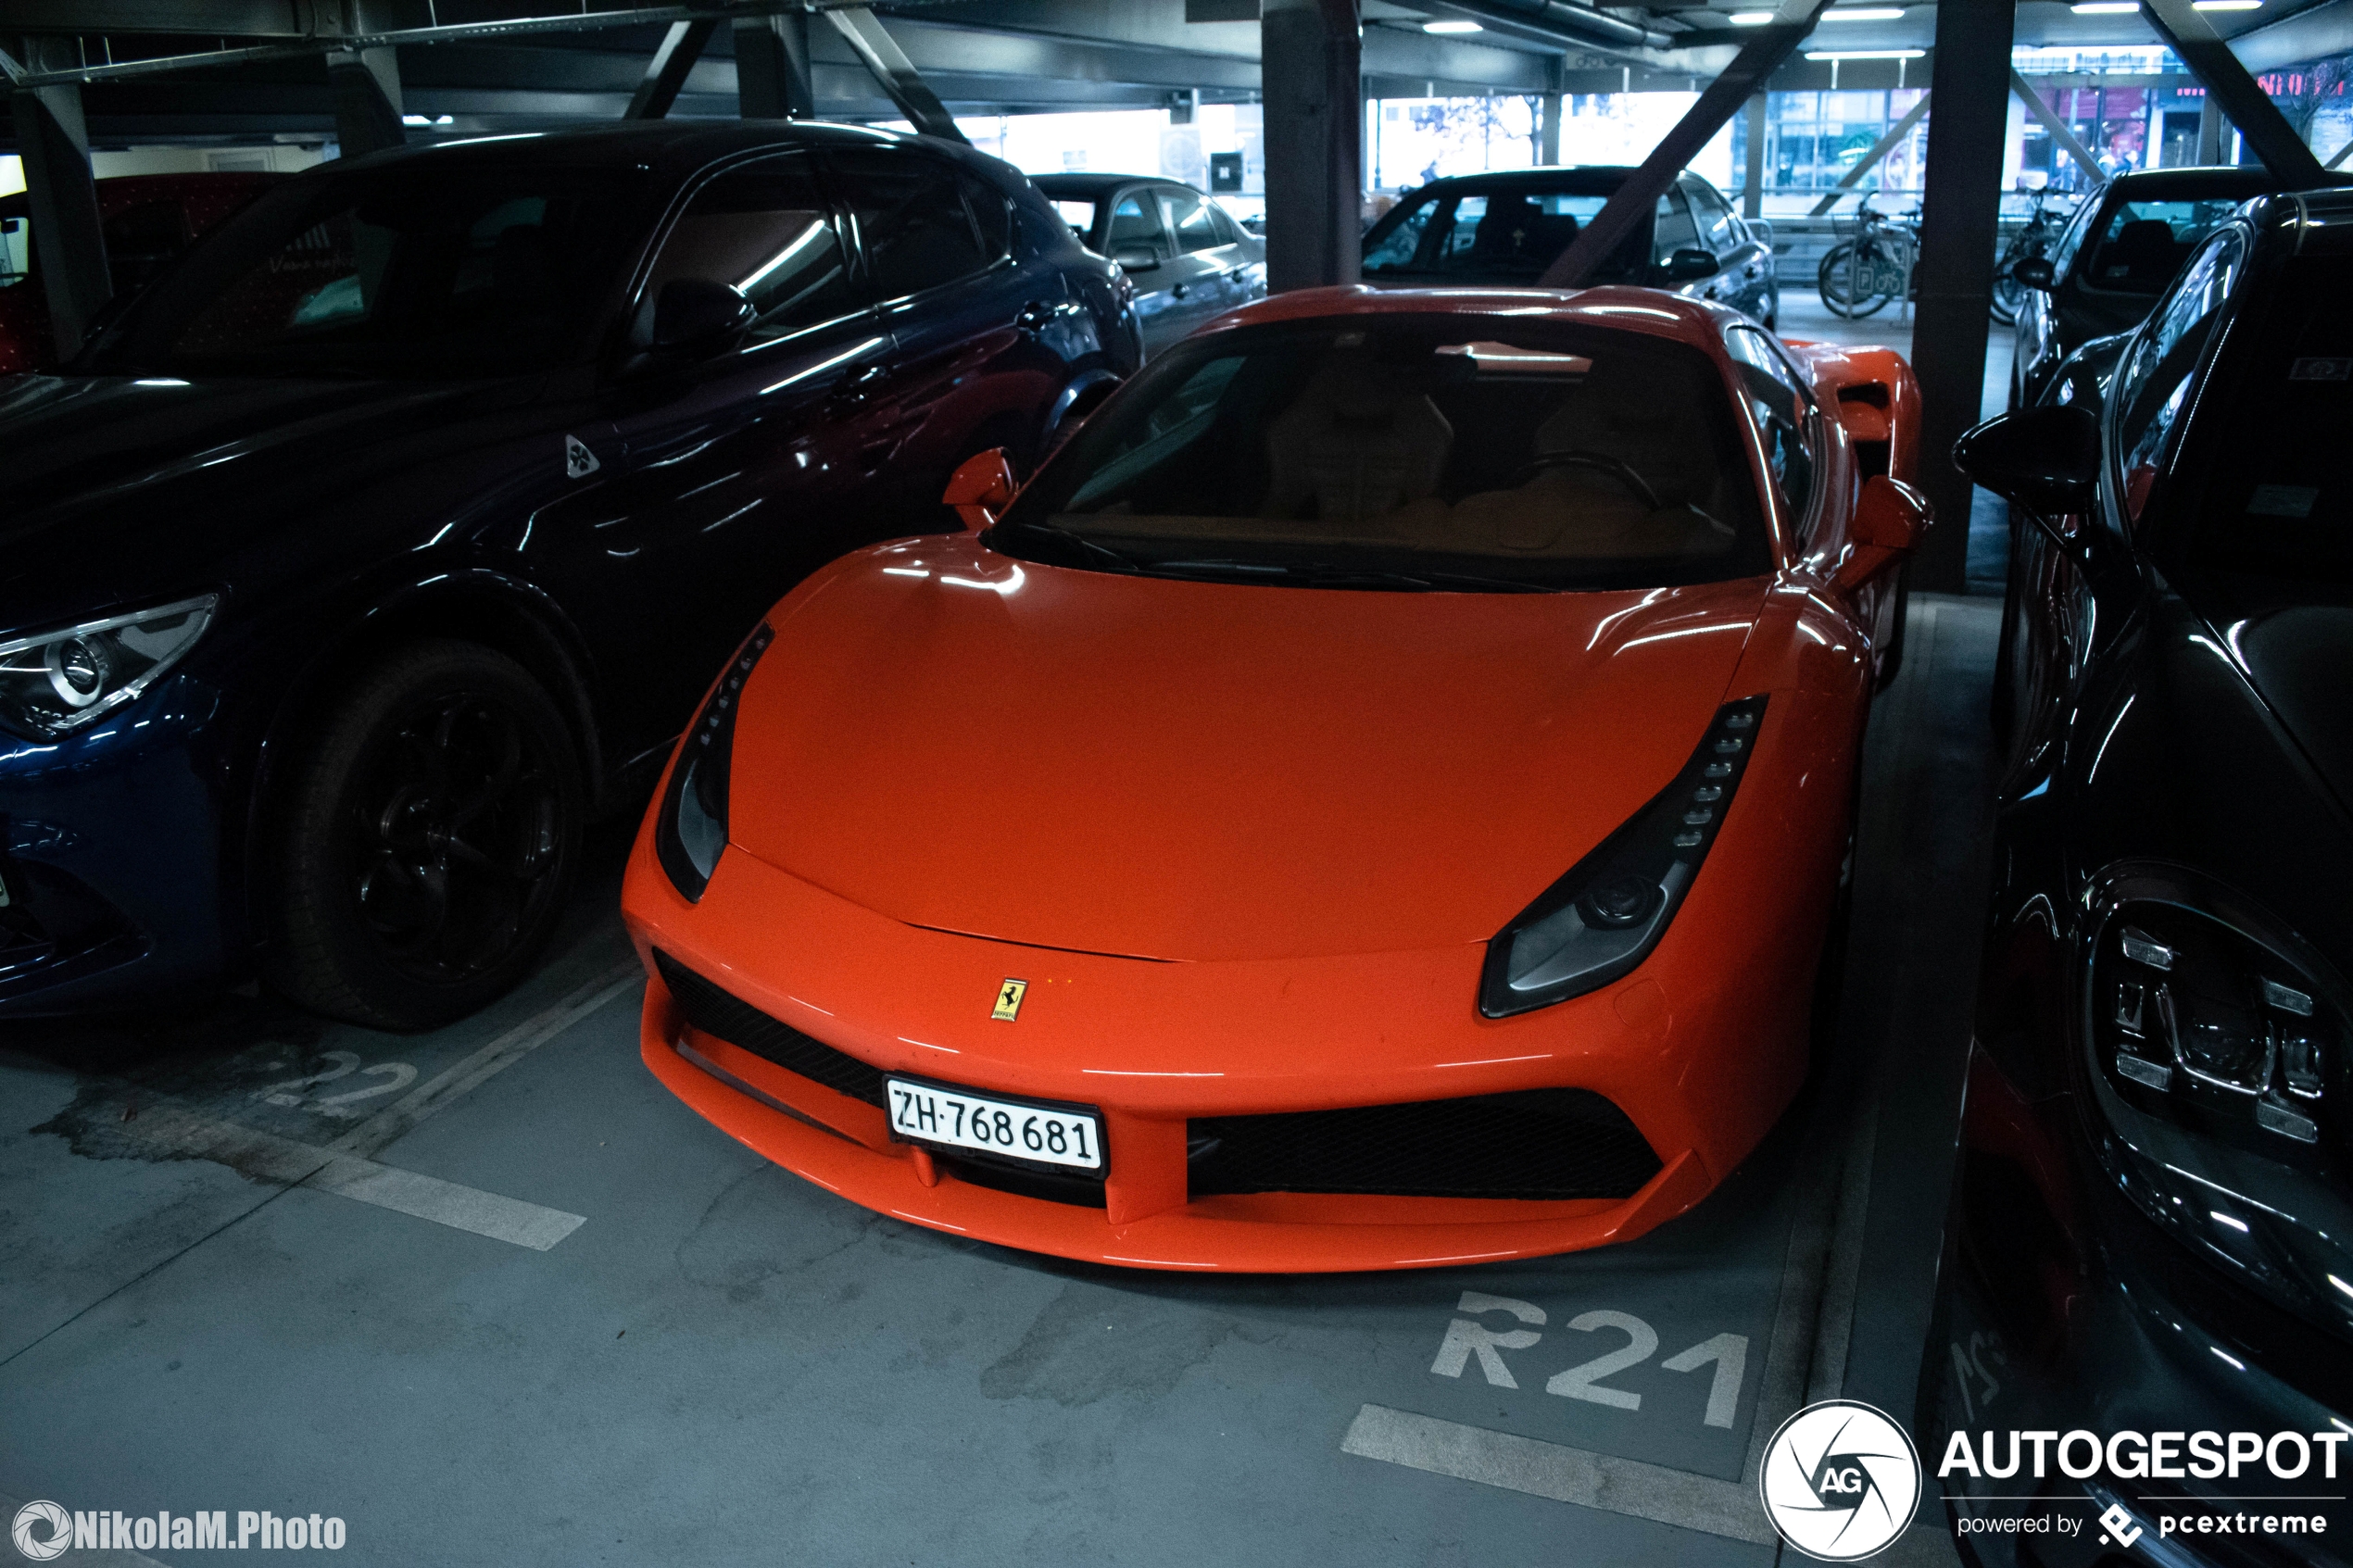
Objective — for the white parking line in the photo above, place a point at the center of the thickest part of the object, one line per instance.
(273, 1158)
(1558, 1472)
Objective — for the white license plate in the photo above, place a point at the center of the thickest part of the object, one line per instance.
(1051, 1135)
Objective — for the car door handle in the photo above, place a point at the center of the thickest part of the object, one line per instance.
(857, 390)
(1037, 315)
(1178, 292)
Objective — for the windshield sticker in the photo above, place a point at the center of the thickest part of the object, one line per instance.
(2321, 370)
(2282, 500)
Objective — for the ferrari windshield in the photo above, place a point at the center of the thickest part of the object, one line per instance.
(410, 270)
(1433, 451)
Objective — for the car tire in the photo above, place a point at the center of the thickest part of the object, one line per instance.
(428, 840)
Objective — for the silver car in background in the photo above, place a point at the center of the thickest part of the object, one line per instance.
(1187, 257)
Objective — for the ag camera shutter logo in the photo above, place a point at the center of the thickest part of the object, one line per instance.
(1841, 1480)
(43, 1531)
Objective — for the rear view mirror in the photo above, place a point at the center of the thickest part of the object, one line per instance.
(694, 315)
(1890, 517)
(2046, 458)
(2033, 272)
(1690, 265)
(1137, 258)
(980, 488)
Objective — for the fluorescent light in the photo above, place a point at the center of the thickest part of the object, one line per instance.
(2106, 7)
(1864, 13)
(1751, 19)
(2227, 6)
(1866, 54)
(1452, 25)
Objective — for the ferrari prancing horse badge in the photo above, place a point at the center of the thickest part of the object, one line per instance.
(1009, 997)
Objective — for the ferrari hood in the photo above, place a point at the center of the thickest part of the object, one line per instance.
(1203, 771)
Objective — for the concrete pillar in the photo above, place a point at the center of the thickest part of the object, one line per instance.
(366, 84)
(1960, 217)
(1752, 194)
(2209, 129)
(1310, 54)
(772, 67)
(55, 145)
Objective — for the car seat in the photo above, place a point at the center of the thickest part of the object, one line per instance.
(2144, 255)
(1358, 443)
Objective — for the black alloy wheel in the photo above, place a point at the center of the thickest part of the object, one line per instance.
(432, 842)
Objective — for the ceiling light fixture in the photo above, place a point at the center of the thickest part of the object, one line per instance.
(1452, 24)
(1864, 13)
(1866, 54)
(2227, 6)
(2106, 7)
(1751, 19)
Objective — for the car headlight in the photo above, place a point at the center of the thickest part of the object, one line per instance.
(1603, 918)
(57, 682)
(690, 825)
(2218, 1043)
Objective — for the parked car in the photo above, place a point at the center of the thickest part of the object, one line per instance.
(394, 530)
(1506, 228)
(2152, 1229)
(1280, 829)
(147, 220)
(1191, 260)
(2112, 260)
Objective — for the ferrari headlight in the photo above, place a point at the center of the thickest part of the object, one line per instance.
(690, 825)
(56, 682)
(2217, 1038)
(1603, 918)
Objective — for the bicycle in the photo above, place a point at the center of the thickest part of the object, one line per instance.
(2041, 231)
(1869, 267)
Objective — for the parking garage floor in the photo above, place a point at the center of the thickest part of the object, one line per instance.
(491, 1296)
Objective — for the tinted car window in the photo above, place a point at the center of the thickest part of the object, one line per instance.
(1135, 223)
(1189, 222)
(2153, 388)
(1501, 234)
(912, 221)
(407, 271)
(763, 226)
(2072, 240)
(1783, 409)
(1557, 455)
(1719, 233)
(2144, 243)
(2281, 501)
(1675, 230)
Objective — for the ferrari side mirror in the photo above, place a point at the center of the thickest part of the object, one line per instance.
(1890, 519)
(2046, 458)
(981, 488)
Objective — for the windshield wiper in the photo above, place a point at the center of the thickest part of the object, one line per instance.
(1322, 574)
(1072, 536)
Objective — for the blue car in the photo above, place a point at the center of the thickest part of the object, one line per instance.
(393, 532)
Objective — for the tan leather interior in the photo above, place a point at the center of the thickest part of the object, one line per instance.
(1359, 444)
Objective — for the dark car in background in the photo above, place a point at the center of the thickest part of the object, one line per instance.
(144, 220)
(396, 529)
(1485, 230)
(1190, 259)
(2112, 260)
(2152, 1229)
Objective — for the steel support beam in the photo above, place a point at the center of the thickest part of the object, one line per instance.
(893, 72)
(1880, 149)
(2061, 133)
(367, 90)
(1745, 76)
(1310, 63)
(772, 79)
(1961, 216)
(1753, 175)
(55, 145)
(2260, 124)
(666, 71)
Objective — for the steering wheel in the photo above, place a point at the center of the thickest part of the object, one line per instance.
(1601, 462)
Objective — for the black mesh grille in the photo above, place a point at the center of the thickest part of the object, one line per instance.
(1537, 1144)
(738, 1022)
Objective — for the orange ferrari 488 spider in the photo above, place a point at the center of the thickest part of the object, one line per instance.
(1375, 798)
